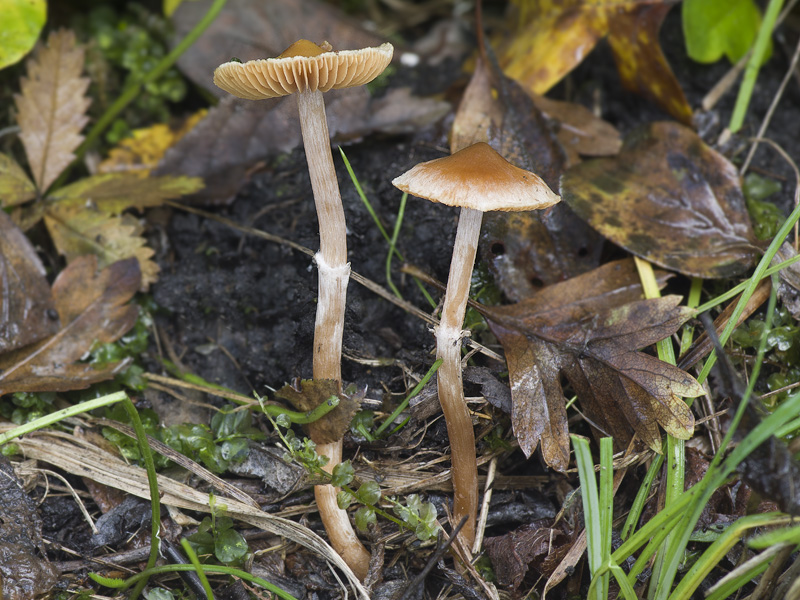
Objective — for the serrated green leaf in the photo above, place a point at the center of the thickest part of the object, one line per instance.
(716, 27)
(22, 23)
(15, 186)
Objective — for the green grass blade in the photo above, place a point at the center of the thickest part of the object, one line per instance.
(192, 556)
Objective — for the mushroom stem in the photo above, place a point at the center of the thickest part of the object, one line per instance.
(464, 465)
(333, 273)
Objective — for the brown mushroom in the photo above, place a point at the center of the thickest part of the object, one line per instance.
(308, 70)
(477, 179)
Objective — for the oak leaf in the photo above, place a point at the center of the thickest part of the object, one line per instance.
(588, 330)
(669, 198)
(93, 307)
(52, 107)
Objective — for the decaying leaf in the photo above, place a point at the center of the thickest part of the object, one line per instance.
(523, 250)
(93, 308)
(141, 152)
(588, 330)
(669, 198)
(52, 107)
(580, 132)
(112, 193)
(23, 574)
(77, 231)
(534, 546)
(26, 305)
(554, 36)
(307, 394)
(15, 187)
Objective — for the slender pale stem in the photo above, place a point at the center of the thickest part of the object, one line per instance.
(334, 272)
(451, 388)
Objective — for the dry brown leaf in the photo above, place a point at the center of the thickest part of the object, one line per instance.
(93, 308)
(26, 304)
(588, 330)
(52, 107)
(307, 394)
(77, 231)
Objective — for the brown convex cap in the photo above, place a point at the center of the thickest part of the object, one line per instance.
(302, 67)
(477, 177)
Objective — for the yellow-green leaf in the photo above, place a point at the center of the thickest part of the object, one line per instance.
(22, 22)
(112, 193)
(52, 107)
(77, 231)
(15, 186)
(146, 147)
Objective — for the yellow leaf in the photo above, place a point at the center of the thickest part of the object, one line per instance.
(112, 193)
(15, 187)
(52, 107)
(144, 150)
(77, 231)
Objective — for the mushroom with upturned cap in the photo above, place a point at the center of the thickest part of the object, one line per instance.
(308, 70)
(477, 179)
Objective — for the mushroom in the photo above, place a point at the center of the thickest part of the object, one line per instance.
(309, 70)
(477, 179)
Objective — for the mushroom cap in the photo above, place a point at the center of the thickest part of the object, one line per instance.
(477, 177)
(302, 67)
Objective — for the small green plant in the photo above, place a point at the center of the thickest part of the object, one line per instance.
(216, 537)
(415, 515)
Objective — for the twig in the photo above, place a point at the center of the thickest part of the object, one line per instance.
(487, 498)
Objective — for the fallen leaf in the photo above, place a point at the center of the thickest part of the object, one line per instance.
(15, 186)
(588, 330)
(23, 574)
(77, 231)
(307, 394)
(533, 546)
(669, 198)
(112, 193)
(93, 308)
(52, 107)
(642, 67)
(523, 250)
(554, 36)
(141, 152)
(25, 302)
(580, 132)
